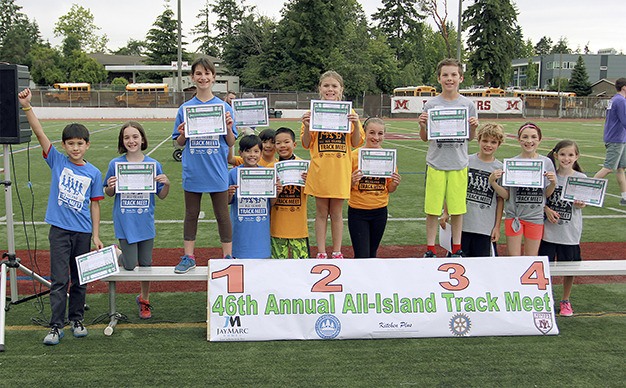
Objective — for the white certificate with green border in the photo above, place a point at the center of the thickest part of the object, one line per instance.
(135, 177)
(251, 112)
(523, 173)
(290, 171)
(256, 182)
(204, 120)
(589, 190)
(330, 116)
(96, 265)
(377, 162)
(448, 123)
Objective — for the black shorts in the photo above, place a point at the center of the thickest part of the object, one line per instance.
(477, 245)
(559, 252)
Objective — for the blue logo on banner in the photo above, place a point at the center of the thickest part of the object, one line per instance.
(327, 326)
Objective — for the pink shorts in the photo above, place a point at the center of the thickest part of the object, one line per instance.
(528, 229)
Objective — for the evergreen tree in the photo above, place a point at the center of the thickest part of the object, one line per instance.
(531, 74)
(133, 47)
(544, 46)
(202, 30)
(162, 39)
(229, 15)
(561, 47)
(401, 23)
(17, 34)
(492, 26)
(579, 82)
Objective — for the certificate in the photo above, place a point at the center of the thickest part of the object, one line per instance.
(448, 123)
(523, 173)
(589, 190)
(251, 112)
(330, 116)
(290, 171)
(377, 162)
(204, 120)
(256, 182)
(135, 177)
(97, 264)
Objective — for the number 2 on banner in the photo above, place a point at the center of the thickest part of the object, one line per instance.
(535, 275)
(234, 276)
(323, 285)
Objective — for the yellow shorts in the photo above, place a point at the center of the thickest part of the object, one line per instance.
(448, 186)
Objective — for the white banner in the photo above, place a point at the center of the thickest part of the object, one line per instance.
(492, 105)
(257, 300)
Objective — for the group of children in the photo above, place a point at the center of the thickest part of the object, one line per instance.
(277, 227)
(468, 189)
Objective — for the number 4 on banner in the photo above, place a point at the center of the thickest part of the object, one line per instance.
(535, 274)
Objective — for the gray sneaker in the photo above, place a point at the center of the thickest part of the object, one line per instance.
(622, 202)
(78, 329)
(54, 336)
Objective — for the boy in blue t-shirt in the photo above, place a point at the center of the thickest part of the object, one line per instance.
(74, 216)
(250, 216)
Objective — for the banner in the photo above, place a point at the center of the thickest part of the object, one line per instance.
(257, 300)
(491, 105)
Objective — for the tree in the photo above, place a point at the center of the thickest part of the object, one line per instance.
(17, 34)
(400, 22)
(431, 7)
(46, 65)
(229, 15)
(491, 39)
(162, 39)
(544, 46)
(202, 30)
(532, 73)
(579, 82)
(133, 47)
(561, 47)
(83, 68)
(79, 22)
(119, 83)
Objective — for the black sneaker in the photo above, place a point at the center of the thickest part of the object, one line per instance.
(458, 253)
(429, 254)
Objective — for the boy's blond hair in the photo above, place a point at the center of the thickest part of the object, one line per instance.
(493, 130)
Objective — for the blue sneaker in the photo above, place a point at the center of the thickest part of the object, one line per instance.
(186, 264)
(54, 336)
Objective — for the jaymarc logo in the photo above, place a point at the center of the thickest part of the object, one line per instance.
(232, 321)
(232, 328)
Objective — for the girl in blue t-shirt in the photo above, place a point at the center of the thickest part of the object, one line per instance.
(133, 213)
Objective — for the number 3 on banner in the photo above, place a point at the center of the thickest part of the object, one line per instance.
(535, 275)
(234, 275)
(457, 274)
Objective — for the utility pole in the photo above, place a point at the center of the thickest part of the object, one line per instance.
(179, 84)
(458, 32)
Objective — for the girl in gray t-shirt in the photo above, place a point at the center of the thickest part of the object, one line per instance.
(564, 226)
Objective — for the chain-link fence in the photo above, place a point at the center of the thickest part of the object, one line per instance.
(372, 104)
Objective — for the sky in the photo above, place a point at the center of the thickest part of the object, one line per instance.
(579, 21)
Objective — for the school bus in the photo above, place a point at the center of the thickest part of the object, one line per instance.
(144, 94)
(542, 99)
(482, 92)
(72, 92)
(423, 90)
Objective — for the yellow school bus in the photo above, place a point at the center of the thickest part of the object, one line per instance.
(422, 90)
(68, 91)
(144, 94)
(482, 92)
(542, 99)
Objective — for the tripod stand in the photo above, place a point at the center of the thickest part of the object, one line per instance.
(9, 259)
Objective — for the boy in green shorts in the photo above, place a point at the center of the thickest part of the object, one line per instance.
(288, 218)
(447, 160)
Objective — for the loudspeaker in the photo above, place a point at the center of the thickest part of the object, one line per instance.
(14, 128)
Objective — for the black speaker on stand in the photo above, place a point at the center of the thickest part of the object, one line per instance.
(14, 127)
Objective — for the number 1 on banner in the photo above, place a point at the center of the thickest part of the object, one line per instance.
(535, 275)
(234, 275)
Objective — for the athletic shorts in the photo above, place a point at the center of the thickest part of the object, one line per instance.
(615, 156)
(136, 253)
(528, 229)
(559, 252)
(477, 245)
(448, 186)
(299, 248)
